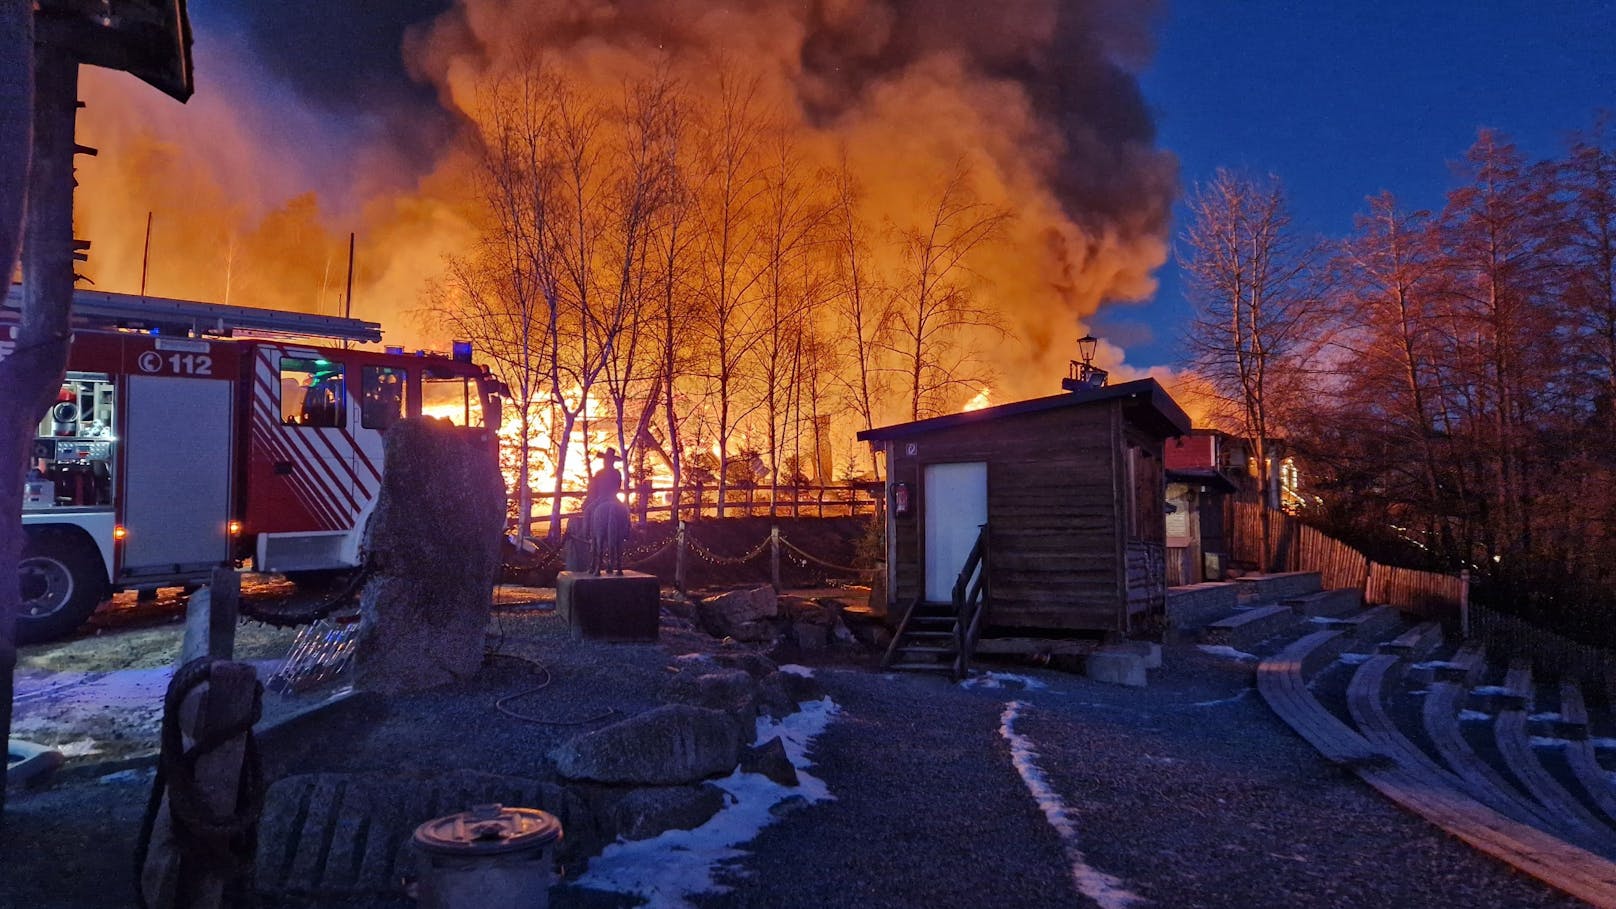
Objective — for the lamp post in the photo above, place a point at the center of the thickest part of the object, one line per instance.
(1084, 374)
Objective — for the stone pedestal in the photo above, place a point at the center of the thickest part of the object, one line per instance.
(609, 607)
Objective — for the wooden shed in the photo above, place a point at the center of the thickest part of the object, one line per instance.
(1064, 495)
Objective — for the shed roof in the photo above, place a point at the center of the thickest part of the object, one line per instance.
(1151, 407)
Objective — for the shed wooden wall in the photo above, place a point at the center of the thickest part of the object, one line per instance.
(1055, 492)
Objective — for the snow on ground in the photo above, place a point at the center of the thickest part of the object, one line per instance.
(1224, 650)
(1606, 744)
(666, 869)
(1093, 883)
(117, 713)
(1544, 717)
(1543, 741)
(1473, 716)
(1353, 659)
(1002, 680)
(1486, 690)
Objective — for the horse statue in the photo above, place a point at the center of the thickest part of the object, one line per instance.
(606, 528)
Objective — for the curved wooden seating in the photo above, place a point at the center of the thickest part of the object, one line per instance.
(1564, 809)
(1281, 680)
(1580, 755)
(1440, 713)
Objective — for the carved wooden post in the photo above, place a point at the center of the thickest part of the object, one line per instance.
(679, 559)
(774, 557)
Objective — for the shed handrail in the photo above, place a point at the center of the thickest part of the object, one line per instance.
(970, 595)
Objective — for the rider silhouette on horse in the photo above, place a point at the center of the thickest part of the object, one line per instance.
(605, 518)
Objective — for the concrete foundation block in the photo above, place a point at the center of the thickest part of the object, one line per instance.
(1116, 667)
(609, 607)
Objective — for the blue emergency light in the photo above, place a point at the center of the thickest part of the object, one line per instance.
(462, 351)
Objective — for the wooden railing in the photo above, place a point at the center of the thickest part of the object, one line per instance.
(970, 598)
(702, 502)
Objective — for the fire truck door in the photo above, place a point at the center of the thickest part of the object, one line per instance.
(177, 502)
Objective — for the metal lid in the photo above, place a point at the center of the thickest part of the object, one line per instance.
(489, 829)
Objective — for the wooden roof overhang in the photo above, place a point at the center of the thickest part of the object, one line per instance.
(1210, 477)
(1144, 402)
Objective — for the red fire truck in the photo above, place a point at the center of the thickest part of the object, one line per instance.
(190, 435)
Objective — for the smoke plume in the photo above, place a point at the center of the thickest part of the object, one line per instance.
(291, 144)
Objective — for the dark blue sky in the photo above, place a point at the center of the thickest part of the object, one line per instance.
(1342, 100)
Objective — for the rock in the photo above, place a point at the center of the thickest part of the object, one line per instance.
(679, 607)
(810, 637)
(730, 690)
(800, 688)
(669, 745)
(645, 813)
(774, 696)
(434, 540)
(756, 664)
(770, 759)
(800, 609)
(840, 634)
(1116, 667)
(791, 804)
(740, 614)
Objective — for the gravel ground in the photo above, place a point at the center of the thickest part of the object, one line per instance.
(1188, 793)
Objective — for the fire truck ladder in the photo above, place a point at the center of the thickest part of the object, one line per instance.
(101, 309)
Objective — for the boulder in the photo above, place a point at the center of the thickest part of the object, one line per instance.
(730, 690)
(771, 760)
(648, 812)
(740, 614)
(809, 636)
(756, 664)
(800, 687)
(434, 553)
(670, 745)
(774, 696)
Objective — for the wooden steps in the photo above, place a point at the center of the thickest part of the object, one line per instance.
(1365, 702)
(1368, 625)
(1415, 643)
(926, 641)
(1249, 626)
(1340, 602)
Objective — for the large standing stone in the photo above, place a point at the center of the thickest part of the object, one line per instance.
(740, 614)
(645, 813)
(609, 607)
(667, 746)
(434, 543)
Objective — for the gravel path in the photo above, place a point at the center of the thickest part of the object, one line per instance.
(1187, 793)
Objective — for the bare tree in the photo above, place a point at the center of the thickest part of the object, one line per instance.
(28, 359)
(730, 192)
(859, 300)
(931, 326)
(1256, 309)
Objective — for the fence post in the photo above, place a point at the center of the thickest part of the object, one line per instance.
(679, 559)
(774, 555)
(1464, 603)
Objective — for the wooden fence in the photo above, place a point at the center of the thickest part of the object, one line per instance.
(1298, 547)
(697, 502)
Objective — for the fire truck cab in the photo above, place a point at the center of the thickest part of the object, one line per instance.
(192, 435)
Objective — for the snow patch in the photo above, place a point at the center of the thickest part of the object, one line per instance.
(1002, 680)
(1607, 744)
(132, 775)
(1545, 717)
(797, 669)
(1473, 716)
(1436, 664)
(1221, 701)
(1353, 659)
(1543, 741)
(1224, 650)
(1487, 690)
(666, 869)
(1098, 886)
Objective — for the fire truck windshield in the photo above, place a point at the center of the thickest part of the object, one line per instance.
(452, 398)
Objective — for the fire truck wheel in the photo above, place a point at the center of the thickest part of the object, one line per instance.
(62, 582)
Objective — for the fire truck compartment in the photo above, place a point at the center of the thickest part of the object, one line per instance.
(180, 441)
(307, 551)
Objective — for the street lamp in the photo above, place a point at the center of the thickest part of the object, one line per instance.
(1086, 346)
(1084, 375)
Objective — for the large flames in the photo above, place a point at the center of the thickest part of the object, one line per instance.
(253, 191)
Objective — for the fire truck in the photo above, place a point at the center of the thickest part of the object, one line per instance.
(191, 435)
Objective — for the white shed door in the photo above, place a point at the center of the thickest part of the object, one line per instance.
(956, 508)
